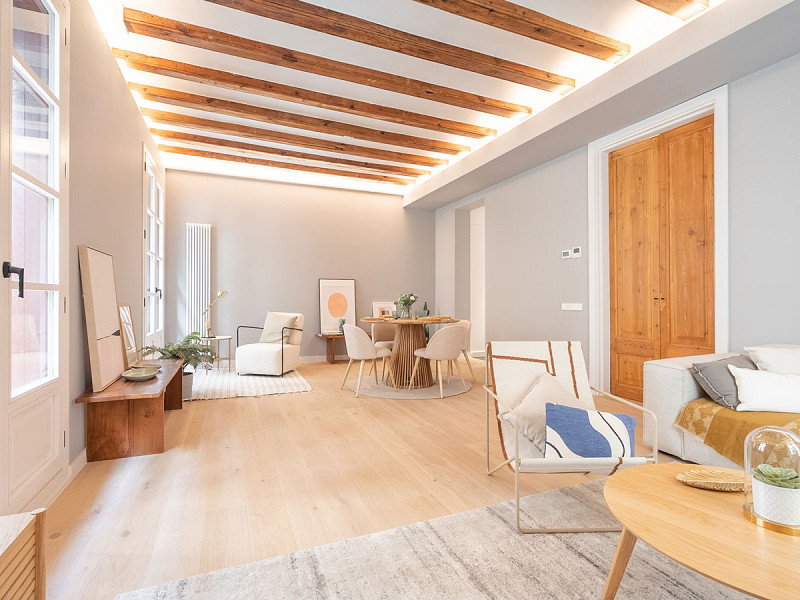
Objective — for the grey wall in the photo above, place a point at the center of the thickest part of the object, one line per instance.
(272, 242)
(765, 206)
(105, 165)
(530, 218)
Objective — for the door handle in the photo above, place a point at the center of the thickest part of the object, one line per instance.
(8, 269)
(159, 291)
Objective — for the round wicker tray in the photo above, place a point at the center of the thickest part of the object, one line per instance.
(712, 479)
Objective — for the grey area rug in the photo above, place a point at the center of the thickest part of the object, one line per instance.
(383, 390)
(215, 383)
(476, 554)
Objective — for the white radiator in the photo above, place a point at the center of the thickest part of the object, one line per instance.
(198, 275)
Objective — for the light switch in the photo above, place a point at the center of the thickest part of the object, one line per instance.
(576, 252)
(571, 306)
(566, 254)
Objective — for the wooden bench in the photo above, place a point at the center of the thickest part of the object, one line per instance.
(127, 418)
(330, 338)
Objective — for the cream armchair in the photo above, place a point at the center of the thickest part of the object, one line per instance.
(277, 351)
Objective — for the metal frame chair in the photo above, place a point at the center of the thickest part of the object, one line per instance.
(283, 338)
(564, 360)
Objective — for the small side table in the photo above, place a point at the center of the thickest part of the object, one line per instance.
(330, 338)
(216, 340)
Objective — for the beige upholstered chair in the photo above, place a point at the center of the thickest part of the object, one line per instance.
(360, 347)
(467, 327)
(445, 344)
(511, 369)
(383, 335)
(277, 351)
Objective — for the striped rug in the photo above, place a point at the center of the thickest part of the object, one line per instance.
(208, 385)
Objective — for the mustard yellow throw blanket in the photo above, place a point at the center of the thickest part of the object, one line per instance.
(724, 429)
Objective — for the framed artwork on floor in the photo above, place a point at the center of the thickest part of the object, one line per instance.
(382, 309)
(337, 300)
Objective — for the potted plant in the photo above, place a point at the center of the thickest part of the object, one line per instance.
(776, 494)
(193, 352)
(405, 301)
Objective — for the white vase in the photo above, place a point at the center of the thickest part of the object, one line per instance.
(187, 385)
(776, 504)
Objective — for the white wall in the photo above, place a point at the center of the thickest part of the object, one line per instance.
(272, 242)
(477, 278)
(105, 165)
(530, 218)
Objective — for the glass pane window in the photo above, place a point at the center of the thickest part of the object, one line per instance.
(30, 130)
(161, 211)
(34, 331)
(34, 25)
(33, 233)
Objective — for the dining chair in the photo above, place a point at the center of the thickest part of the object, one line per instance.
(360, 347)
(465, 346)
(383, 337)
(445, 344)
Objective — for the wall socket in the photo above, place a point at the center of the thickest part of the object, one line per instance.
(566, 254)
(576, 252)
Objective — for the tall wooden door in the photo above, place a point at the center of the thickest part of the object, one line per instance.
(661, 251)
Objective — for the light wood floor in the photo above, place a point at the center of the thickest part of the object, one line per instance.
(249, 478)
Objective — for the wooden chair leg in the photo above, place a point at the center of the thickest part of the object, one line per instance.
(383, 370)
(370, 370)
(391, 375)
(360, 374)
(375, 370)
(346, 373)
(413, 373)
(458, 368)
(469, 364)
(449, 370)
(439, 371)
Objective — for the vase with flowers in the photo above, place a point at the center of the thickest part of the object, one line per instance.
(404, 303)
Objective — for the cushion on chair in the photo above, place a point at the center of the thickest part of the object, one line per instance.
(530, 412)
(575, 432)
(273, 327)
(265, 359)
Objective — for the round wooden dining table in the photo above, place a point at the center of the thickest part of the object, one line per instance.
(409, 337)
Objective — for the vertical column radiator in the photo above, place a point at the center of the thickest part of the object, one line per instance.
(198, 275)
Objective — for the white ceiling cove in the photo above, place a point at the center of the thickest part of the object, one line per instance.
(628, 21)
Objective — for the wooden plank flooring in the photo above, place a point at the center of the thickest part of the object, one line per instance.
(244, 479)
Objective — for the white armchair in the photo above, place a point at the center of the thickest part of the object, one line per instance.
(277, 351)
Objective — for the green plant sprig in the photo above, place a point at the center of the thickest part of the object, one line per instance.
(190, 349)
(777, 476)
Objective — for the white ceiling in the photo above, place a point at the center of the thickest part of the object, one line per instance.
(625, 20)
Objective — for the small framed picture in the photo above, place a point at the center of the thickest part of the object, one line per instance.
(382, 309)
(337, 300)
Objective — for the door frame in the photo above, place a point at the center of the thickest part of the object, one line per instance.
(147, 159)
(714, 102)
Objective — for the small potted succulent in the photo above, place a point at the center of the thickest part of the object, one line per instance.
(776, 494)
(193, 352)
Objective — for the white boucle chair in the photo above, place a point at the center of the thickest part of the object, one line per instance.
(360, 347)
(511, 370)
(445, 344)
(273, 357)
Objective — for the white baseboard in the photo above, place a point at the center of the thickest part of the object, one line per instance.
(57, 484)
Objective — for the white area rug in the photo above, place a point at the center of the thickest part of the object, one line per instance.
(472, 555)
(208, 385)
(381, 390)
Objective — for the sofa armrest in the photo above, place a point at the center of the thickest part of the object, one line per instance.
(668, 385)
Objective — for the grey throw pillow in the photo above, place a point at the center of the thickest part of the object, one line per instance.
(717, 381)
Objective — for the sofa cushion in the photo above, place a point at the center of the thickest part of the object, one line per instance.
(767, 392)
(778, 358)
(576, 432)
(273, 327)
(717, 381)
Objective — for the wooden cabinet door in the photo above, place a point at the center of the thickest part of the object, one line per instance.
(661, 251)
(687, 242)
(633, 264)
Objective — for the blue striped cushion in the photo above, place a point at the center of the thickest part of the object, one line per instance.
(575, 432)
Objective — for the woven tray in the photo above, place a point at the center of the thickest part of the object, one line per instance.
(711, 479)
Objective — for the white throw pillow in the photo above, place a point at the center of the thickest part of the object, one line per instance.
(530, 413)
(273, 327)
(778, 358)
(765, 391)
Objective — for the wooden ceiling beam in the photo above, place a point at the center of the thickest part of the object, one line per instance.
(331, 22)
(683, 9)
(281, 165)
(191, 138)
(285, 119)
(143, 23)
(534, 25)
(242, 83)
(290, 139)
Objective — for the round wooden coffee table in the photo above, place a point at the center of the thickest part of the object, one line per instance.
(703, 530)
(410, 336)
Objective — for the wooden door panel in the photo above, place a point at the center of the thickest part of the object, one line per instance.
(633, 263)
(687, 239)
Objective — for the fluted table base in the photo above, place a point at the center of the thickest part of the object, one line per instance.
(408, 338)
